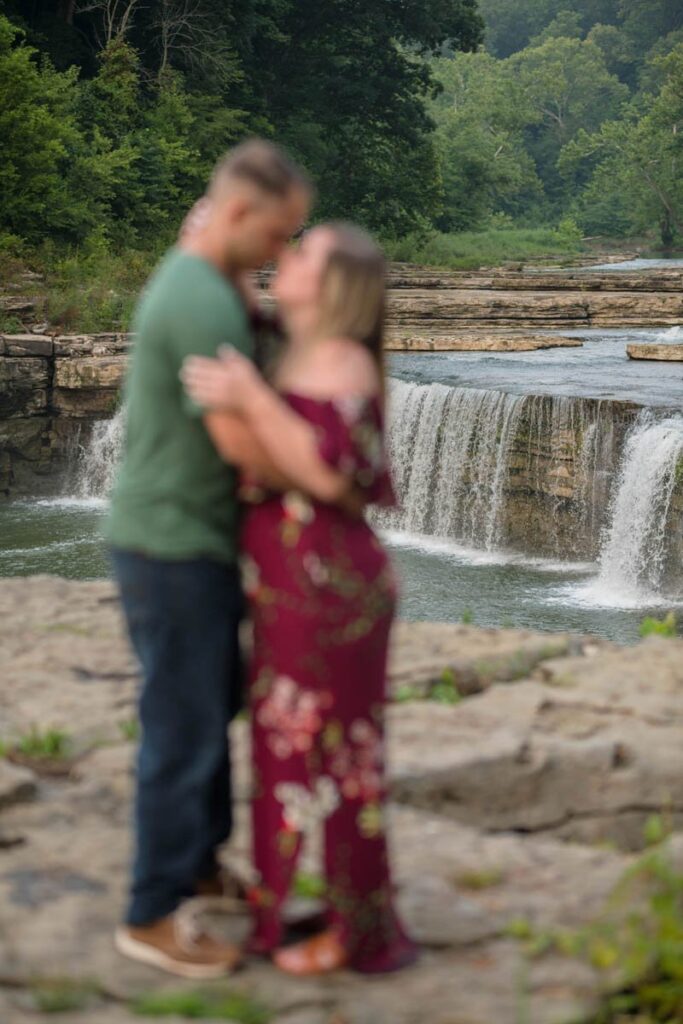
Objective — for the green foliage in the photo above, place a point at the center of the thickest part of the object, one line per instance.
(216, 1004)
(114, 133)
(634, 163)
(646, 942)
(455, 155)
(41, 143)
(480, 115)
(469, 250)
(486, 878)
(443, 690)
(659, 627)
(130, 730)
(42, 744)
(308, 886)
(638, 941)
(59, 995)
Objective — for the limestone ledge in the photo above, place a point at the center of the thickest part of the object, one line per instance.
(52, 390)
(659, 353)
(455, 341)
(525, 801)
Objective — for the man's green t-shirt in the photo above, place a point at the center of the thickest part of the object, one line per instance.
(175, 498)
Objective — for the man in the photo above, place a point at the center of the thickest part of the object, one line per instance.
(173, 530)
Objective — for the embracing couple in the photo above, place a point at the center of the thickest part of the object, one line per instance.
(224, 470)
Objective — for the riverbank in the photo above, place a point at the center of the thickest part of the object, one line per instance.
(533, 790)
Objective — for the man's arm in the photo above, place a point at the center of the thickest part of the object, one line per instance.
(236, 443)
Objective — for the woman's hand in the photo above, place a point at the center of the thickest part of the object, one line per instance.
(195, 220)
(228, 383)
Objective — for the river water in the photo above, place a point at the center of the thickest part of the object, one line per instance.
(453, 566)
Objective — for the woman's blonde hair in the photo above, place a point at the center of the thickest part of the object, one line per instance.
(354, 290)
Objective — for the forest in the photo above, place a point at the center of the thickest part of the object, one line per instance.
(427, 121)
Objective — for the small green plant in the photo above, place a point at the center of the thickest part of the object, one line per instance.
(445, 691)
(478, 880)
(467, 617)
(59, 995)
(216, 1004)
(659, 627)
(130, 730)
(640, 935)
(38, 744)
(657, 828)
(407, 693)
(10, 324)
(309, 886)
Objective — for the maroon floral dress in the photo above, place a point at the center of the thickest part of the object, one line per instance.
(322, 597)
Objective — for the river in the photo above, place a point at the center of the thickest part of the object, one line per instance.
(452, 462)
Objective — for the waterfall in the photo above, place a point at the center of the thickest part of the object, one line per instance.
(488, 468)
(546, 475)
(568, 478)
(99, 459)
(636, 554)
(449, 450)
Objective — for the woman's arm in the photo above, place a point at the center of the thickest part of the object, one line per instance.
(285, 437)
(292, 444)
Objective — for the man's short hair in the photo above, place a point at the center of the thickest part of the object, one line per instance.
(262, 164)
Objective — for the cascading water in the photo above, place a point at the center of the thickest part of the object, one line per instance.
(464, 459)
(570, 478)
(99, 459)
(636, 559)
(449, 451)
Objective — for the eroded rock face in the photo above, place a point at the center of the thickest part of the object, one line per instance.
(52, 391)
(578, 737)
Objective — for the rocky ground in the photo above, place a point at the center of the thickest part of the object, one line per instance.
(523, 802)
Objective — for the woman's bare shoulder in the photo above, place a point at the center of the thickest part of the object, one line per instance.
(342, 367)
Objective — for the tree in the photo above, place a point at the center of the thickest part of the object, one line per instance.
(569, 87)
(481, 114)
(636, 161)
(41, 144)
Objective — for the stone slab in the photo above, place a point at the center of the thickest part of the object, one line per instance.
(589, 750)
(424, 653)
(27, 344)
(94, 373)
(432, 341)
(658, 353)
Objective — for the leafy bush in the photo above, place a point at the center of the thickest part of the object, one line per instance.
(659, 627)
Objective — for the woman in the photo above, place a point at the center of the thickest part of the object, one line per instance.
(322, 599)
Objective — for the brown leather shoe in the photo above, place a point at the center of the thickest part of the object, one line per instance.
(320, 955)
(177, 945)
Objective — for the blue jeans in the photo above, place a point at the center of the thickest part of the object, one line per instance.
(183, 620)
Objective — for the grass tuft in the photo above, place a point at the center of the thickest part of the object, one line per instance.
(214, 1004)
(470, 250)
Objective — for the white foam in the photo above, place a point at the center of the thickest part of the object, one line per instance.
(473, 556)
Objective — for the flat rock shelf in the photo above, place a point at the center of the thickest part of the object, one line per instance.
(524, 801)
(659, 353)
(451, 341)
